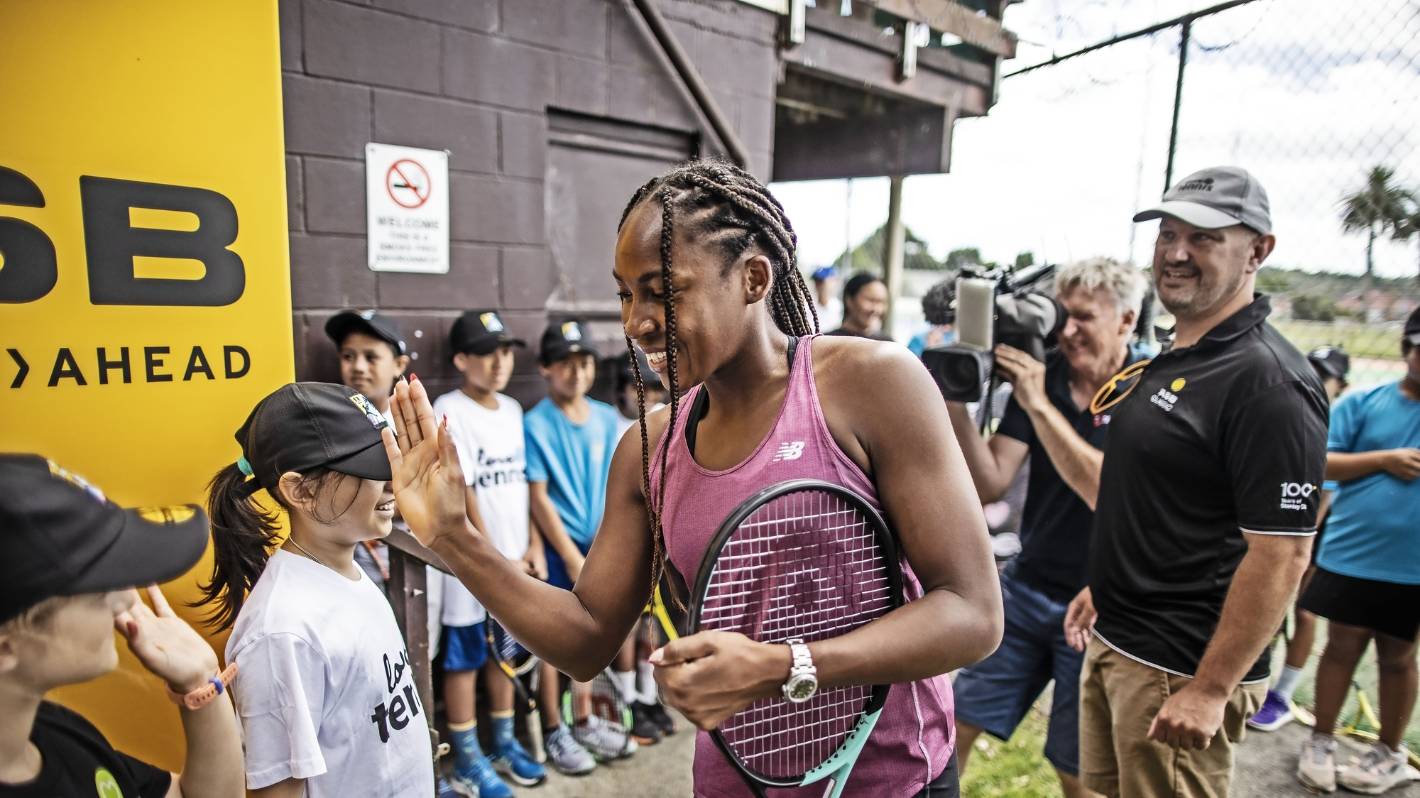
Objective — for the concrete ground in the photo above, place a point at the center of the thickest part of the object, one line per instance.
(655, 771)
(1267, 762)
(1265, 767)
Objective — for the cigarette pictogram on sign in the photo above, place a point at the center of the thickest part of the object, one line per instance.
(408, 183)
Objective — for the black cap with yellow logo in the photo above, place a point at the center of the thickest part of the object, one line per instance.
(60, 536)
(306, 425)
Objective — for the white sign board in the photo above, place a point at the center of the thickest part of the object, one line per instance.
(407, 201)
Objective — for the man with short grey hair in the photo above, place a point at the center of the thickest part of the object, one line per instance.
(1207, 507)
(1049, 420)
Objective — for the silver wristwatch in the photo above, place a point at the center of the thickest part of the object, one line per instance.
(803, 676)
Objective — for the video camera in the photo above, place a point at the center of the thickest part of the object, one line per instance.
(994, 307)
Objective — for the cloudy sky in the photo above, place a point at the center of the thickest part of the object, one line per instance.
(1307, 94)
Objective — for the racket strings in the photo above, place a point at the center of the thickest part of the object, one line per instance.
(805, 565)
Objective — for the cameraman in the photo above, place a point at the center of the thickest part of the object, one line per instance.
(1047, 418)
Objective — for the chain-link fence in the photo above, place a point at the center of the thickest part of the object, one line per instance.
(1319, 99)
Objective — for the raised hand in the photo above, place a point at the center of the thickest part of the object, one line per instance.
(165, 644)
(427, 481)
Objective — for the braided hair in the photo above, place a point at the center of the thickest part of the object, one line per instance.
(730, 211)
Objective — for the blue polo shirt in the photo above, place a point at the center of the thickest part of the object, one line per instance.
(1373, 531)
(575, 462)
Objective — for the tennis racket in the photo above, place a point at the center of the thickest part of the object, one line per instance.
(609, 705)
(663, 615)
(810, 560)
(516, 662)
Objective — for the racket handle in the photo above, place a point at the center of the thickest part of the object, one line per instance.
(535, 734)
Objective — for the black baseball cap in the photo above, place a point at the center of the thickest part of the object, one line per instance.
(1330, 361)
(563, 339)
(369, 322)
(307, 425)
(60, 536)
(1412, 327)
(481, 332)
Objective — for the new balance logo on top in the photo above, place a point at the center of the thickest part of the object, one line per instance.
(789, 450)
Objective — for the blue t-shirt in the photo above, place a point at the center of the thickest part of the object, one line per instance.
(575, 462)
(1372, 532)
(919, 341)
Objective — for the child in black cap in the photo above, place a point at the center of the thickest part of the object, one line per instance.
(372, 356)
(570, 439)
(69, 560)
(326, 694)
(486, 426)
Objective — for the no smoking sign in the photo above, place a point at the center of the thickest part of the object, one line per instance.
(407, 199)
(407, 182)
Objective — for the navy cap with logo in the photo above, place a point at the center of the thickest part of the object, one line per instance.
(563, 339)
(1412, 327)
(1221, 196)
(369, 322)
(480, 332)
(307, 425)
(1330, 361)
(60, 536)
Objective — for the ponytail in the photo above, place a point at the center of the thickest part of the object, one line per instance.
(243, 536)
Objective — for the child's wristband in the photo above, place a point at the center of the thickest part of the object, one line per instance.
(202, 696)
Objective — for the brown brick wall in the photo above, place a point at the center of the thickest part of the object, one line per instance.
(476, 77)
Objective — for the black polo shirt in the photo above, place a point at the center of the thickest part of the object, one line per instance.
(1055, 525)
(1222, 437)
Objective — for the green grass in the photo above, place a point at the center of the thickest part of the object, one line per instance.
(1359, 340)
(1374, 348)
(1016, 768)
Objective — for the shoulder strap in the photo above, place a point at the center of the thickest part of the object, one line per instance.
(701, 406)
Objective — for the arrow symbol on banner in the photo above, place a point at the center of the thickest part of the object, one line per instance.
(24, 368)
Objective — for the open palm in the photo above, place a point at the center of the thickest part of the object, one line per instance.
(426, 478)
(165, 644)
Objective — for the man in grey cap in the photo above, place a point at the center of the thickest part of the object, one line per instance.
(1206, 511)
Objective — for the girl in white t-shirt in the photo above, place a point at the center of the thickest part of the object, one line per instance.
(325, 689)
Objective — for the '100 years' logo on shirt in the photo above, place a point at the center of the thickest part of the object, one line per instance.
(1296, 494)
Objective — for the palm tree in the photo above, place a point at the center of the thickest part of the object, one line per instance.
(1409, 225)
(1377, 208)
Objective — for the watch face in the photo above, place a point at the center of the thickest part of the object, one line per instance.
(802, 688)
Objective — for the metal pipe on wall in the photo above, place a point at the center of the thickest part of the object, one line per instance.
(724, 131)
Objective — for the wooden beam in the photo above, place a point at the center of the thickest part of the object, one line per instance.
(950, 16)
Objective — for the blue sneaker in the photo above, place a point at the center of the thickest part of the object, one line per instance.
(518, 765)
(443, 789)
(480, 782)
(1274, 713)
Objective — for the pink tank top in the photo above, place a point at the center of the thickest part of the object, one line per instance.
(914, 736)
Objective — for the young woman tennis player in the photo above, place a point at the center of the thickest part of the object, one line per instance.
(705, 269)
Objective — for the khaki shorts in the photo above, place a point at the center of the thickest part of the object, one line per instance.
(1119, 698)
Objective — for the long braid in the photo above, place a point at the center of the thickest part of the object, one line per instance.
(735, 211)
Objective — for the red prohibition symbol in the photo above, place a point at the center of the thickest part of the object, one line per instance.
(408, 183)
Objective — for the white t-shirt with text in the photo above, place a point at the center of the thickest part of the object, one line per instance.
(492, 456)
(324, 687)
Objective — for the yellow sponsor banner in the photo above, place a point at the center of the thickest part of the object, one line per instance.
(144, 279)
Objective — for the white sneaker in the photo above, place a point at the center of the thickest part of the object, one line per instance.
(1316, 767)
(606, 741)
(1376, 770)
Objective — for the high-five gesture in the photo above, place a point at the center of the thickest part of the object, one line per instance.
(427, 481)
